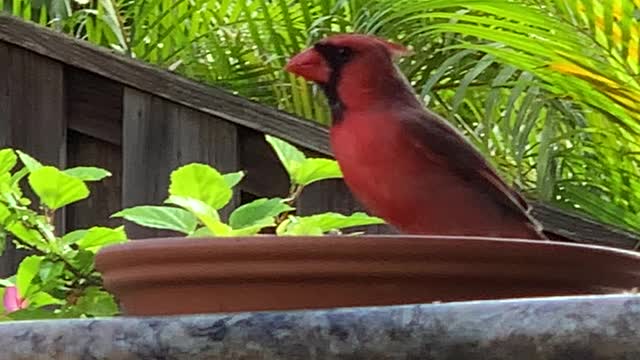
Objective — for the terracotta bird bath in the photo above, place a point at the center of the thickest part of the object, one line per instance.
(186, 276)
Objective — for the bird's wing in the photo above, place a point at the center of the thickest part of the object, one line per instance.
(448, 148)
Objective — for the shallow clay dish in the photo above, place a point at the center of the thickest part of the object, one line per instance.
(187, 276)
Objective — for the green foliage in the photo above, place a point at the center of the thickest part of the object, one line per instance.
(303, 171)
(547, 89)
(160, 217)
(58, 279)
(202, 182)
(88, 173)
(55, 188)
(197, 191)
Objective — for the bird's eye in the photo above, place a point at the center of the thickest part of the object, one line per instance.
(344, 52)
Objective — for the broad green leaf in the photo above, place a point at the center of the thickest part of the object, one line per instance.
(329, 221)
(83, 261)
(5, 183)
(255, 227)
(55, 188)
(200, 182)
(8, 160)
(201, 232)
(97, 237)
(87, 173)
(29, 236)
(50, 271)
(232, 179)
(258, 211)
(205, 213)
(290, 157)
(312, 170)
(97, 302)
(73, 237)
(29, 162)
(32, 314)
(293, 226)
(40, 299)
(160, 217)
(4, 214)
(27, 270)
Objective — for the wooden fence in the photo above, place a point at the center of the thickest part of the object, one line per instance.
(69, 103)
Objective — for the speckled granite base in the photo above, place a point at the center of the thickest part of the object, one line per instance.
(581, 328)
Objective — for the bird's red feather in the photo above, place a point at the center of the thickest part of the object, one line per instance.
(406, 164)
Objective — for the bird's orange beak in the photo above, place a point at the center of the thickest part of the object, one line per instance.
(310, 65)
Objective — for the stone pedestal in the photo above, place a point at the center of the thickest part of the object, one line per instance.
(584, 328)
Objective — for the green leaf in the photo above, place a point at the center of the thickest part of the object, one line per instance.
(40, 299)
(28, 236)
(232, 179)
(200, 182)
(8, 160)
(87, 173)
(73, 237)
(4, 310)
(27, 270)
(50, 271)
(255, 227)
(205, 213)
(4, 214)
(32, 314)
(55, 188)
(310, 225)
(97, 302)
(160, 217)
(97, 237)
(83, 261)
(201, 232)
(257, 211)
(312, 170)
(29, 162)
(292, 226)
(8, 282)
(290, 157)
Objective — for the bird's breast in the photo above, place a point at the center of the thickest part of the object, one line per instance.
(399, 182)
(379, 165)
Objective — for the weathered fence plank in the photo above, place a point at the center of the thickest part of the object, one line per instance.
(32, 117)
(106, 195)
(94, 105)
(159, 136)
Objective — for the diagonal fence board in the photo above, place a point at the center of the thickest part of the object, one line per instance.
(32, 118)
(106, 195)
(159, 136)
(138, 75)
(94, 105)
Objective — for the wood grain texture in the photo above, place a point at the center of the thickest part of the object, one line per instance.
(160, 136)
(582, 229)
(106, 195)
(265, 176)
(162, 83)
(32, 118)
(94, 105)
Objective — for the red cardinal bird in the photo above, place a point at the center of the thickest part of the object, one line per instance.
(403, 163)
